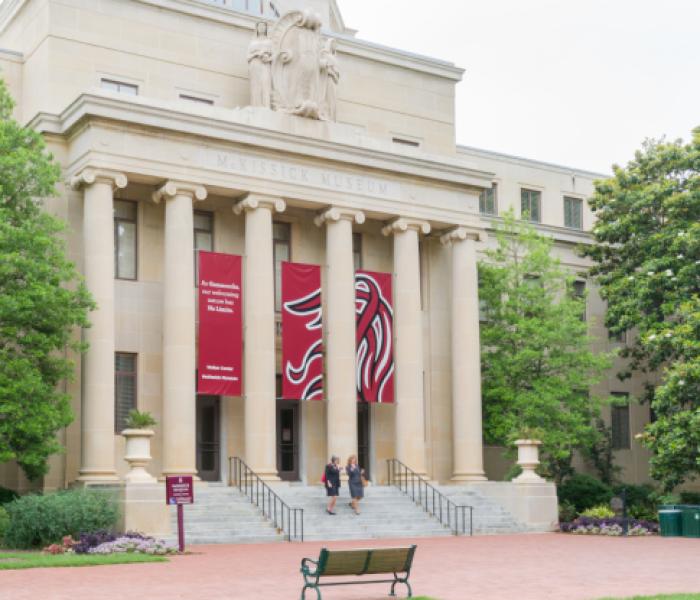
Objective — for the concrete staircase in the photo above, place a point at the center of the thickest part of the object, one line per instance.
(222, 515)
(385, 513)
(490, 518)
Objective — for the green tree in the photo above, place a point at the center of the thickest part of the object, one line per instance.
(648, 267)
(41, 301)
(537, 362)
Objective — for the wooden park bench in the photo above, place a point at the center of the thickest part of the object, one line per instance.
(369, 561)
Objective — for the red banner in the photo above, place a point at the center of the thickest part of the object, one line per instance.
(220, 362)
(302, 332)
(375, 337)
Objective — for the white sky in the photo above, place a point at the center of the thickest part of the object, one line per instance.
(575, 82)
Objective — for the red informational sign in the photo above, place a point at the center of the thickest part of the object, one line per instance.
(374, 337)
(302, 332)
(179, 489)
(220, 365)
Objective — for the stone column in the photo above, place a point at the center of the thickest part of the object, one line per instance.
(259, 335)
(408, 342)
(97, 425)
(339, 324)
(179, 367)
(467, 444)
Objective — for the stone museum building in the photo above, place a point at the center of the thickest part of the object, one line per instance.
(270, 131)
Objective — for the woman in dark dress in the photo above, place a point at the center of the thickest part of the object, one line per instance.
(355, 476)
(332, 479)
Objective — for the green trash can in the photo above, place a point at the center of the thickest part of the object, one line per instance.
(671, 521)
(691, 521)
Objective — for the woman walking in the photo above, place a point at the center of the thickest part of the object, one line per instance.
(355, 477)
(332, 480)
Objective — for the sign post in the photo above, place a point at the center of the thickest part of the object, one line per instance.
(179, 491)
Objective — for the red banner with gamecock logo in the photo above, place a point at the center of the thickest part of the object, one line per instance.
(302, 332)
(374, 364)
(220, 364)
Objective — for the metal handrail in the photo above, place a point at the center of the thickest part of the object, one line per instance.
(285, 519)
(432, 500)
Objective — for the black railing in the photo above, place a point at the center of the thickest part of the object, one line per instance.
(432, 500)
(287, 520)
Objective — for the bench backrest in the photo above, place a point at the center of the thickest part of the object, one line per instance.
(365, 561)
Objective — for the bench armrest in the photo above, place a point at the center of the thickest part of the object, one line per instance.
(305, 562)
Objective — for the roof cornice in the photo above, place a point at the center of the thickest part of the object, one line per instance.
(232, 126)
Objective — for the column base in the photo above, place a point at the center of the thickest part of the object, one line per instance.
(90, 477)
(468, 477)
(271, 476)
(175, 472)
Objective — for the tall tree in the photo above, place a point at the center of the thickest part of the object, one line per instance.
(41, 301)
(537, 362)
(648, 266)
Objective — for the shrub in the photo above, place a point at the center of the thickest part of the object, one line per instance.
(4, 523)
(584, 491)
(690, 498)
(567, 512)
(40, 520)
(7, 496)
(599, 512)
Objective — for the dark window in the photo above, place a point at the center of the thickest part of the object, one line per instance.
(281, 252)
(125, 239)
(578, 291)
(530, 204)
(573, 212)
(488, 201)
(124, 388)
(120, 87)
(203, 237)
(196, 99)
(405, 142)
(617, 338)
(620, 422)
(357, 250)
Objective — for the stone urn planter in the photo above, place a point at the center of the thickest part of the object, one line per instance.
(529, 460)
(138, 455)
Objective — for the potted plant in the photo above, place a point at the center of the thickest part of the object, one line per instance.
(138, 434)
(528, 442)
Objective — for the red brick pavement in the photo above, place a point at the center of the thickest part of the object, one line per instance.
(522, 567)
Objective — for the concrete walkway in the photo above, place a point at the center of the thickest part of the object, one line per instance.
(520, 567)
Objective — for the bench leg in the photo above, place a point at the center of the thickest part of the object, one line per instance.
(404, 581)
(310, 587)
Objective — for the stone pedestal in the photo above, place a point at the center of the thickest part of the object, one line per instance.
(143, 509)
(528, 460)
(138, 455)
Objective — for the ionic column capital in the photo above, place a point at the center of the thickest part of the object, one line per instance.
(171, 188)
(88, 176)
(403, 224)
(337, 213)
(255, 201)
(461, 234)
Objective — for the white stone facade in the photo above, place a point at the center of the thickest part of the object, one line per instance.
(147, 100)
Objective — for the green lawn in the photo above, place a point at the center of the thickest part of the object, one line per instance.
(662, 597)
(35, 560)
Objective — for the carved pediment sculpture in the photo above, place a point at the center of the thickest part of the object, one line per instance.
(296, 65)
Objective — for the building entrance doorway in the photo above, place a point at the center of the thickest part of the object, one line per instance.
(363, 436)
(288, 440)
(209, 438)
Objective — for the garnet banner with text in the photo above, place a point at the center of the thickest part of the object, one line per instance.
(302, 332)
(375, 337)
(220, 365)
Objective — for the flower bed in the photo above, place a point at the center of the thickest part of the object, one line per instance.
(105, 542)
(609, 526)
